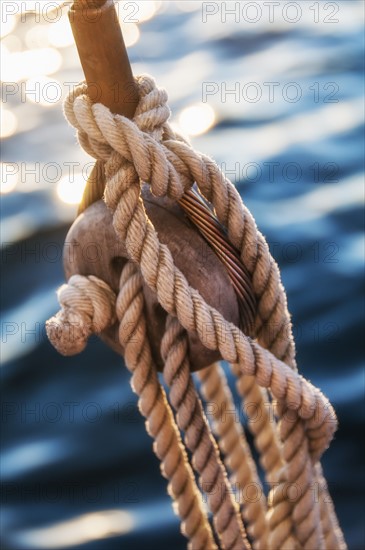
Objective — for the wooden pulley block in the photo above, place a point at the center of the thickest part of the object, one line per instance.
(92, 248)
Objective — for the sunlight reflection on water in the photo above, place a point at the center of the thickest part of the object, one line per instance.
(79, 530)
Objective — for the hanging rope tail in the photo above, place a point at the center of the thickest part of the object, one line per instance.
(291, 421)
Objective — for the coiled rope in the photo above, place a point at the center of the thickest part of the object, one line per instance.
(296, 422)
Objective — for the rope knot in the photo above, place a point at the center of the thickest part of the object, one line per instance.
(152, 112)
(139, 143)
(151, 115)
(87, 307)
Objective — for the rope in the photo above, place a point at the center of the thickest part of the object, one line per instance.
(191, 420)
(331, 530)
(88, 307)
(154, 407)
(237, 455)
(148, 150)
(261, 422)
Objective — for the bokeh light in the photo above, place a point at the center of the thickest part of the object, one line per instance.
(70, 191)
(188, 5)
(47, 92)
(131, 34)
(37, 36)
(11, 43)
(23, 65)
(196, 119)
(8, 122)
(145, 10)
(79, 530)
(60, 34)
(8, 23)
(9, 179)
(38, 7)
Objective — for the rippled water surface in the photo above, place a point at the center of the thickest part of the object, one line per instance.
(77, 466)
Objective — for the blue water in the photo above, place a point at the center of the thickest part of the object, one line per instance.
(77, 466)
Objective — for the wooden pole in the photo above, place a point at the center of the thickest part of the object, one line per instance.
(103, 55)
(107, 70)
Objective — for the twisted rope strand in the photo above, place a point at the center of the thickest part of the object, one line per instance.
(236, 451)
(295, 487)
(262, 424)
(332, 533)
(153, 405)
(191, 420)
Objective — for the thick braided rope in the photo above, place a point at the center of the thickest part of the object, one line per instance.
(261, 422)
(287, 326)
(236, 451)
(293, 514)
(272, 323)
(288, 514)
(85, 300)
(154, 407)
(332, 533)
(198, 438)
(263, 426)
(294, 510)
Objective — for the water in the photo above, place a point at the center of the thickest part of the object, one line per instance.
(77, 466)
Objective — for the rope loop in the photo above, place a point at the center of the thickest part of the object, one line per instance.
(87, 307)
